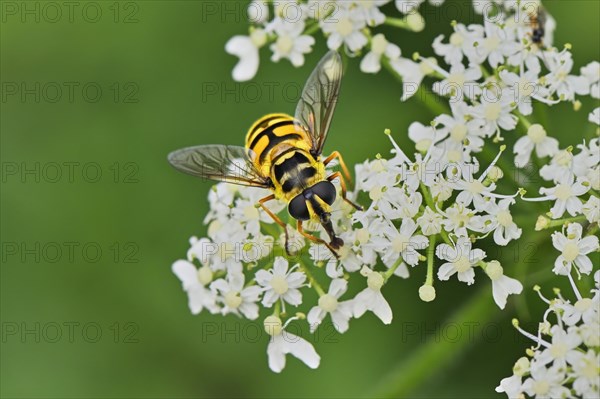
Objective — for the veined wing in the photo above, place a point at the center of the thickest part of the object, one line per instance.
(319, 98)
(227, 163)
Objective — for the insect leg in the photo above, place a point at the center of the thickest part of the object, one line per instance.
(343, 185)
(337, 155)
(273, 216)
(315, 239)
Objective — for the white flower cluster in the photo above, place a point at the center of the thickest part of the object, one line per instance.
(436, 209)
(565, 361)
(287, 27)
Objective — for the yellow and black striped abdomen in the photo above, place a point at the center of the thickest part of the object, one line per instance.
(270, 136)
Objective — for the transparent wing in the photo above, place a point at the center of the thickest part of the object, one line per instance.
(319, 98)
(226, 163)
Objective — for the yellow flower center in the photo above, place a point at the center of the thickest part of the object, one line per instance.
(328, 303)
(491, 43)
(558, 350)
(233, 299)
(400, 243)
(279, 285)
(378, 44)
(284, 44)
(504, 218)
(458, 132)
(462, 264)
(536, 133)
(456, 39)
(583, 304)
(345, 26)
(375, 281)
(563, 192)
(570, 251)
(492, 111)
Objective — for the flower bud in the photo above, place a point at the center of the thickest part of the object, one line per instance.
(273, 325)
(427, 293)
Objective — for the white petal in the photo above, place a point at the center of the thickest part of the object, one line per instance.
(301, 349)
(186, 272)
(381, 308)
(371, 63)
(275, 354)
(247, 66)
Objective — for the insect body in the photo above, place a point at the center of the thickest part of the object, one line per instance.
(283, 154)
(538, 23)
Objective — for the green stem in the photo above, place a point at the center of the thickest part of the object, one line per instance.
(523, 119)
(390, 272)
(430, 253)
(560, 222)
(397, 23)
(311, 279)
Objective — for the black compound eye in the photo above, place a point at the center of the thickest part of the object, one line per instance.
(298, 209)
(326, 191)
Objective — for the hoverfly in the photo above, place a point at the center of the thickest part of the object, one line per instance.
(538, 25)
(283, 154)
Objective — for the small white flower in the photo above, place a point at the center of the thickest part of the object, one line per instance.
(574, 250)
(461, 259)
(246, 49)
(340, 312)
(462, 127)
(430, 222)
(561, 81)
(560, 167)
(505, 229)
(371, 298)
(459, 41)
(563, 342)
(344, 27)
(585, 309)
(497, 44)
(591, 209)
(523, 87)
(380, 47)
(194, 283)
(585, 371)
(566, 194)
(281, 284)
(283, 343)
(291, 43)
(502, 286)
(545, 382)
(401, 242)
(537, 139)
(237, 299)
(495, 111)
(459, 82)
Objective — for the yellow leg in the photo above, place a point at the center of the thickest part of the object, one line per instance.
(273, 216)
(315, 239)
(343, 185)
(337, 155)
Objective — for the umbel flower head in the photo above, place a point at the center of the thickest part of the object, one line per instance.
(430, 210)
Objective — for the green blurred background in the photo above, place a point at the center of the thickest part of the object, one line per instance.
(165, 83)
